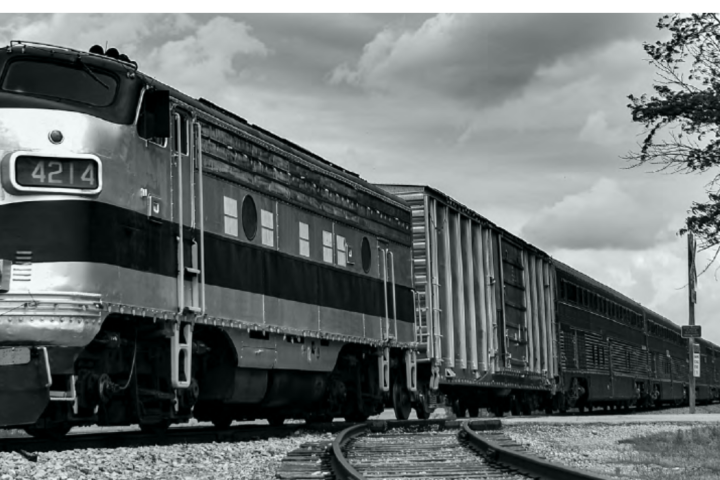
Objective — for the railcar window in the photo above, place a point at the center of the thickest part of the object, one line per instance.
(304, 239)
(327, 247)
(182, 144)
(341, 250)
(249, 217)
(231, 216)
(76, 82)
(572, 292)
(267, 221)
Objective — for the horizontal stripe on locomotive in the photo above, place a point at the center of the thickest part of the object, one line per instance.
(90, 231)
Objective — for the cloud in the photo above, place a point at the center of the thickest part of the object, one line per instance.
(128, 33)
(481, 59)
(164, 46)
(603, 217)
(210, 50)
(596, 130)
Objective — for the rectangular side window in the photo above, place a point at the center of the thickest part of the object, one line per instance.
(327, 247)
(341, 251)
(231, 216)
(182, 144)
(304, 240)
(267, 222)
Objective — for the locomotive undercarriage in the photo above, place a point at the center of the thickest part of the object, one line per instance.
(123, 377)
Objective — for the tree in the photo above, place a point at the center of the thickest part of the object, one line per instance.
(682, 117)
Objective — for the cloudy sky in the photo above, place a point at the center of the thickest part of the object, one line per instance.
(521, 117)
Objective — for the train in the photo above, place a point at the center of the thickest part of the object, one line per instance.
(162, 259)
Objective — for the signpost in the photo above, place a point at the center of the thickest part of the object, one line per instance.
(692, 279)
(696, 361)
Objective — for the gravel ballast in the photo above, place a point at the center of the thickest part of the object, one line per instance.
(595, 448)
(253, 460)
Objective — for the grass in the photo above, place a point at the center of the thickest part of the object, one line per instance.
(683, 455)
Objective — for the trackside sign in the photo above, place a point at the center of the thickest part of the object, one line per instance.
(691, 331)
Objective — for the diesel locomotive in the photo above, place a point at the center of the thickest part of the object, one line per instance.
(163, 259)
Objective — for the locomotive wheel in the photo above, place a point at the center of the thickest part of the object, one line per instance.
(155, 428)
(276, 420)
(456, 408)
(319, 418)
(422, 407)
(55, 432)
(401, 401)
(221, 421)
(356, 417)
(514, 406)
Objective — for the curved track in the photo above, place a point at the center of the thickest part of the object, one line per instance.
(475, 450)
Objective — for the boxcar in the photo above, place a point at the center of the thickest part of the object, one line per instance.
(486, 308)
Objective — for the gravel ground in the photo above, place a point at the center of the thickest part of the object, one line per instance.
(257, 460)
(590, 447)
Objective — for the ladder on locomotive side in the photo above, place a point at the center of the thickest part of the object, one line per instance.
(190, 278)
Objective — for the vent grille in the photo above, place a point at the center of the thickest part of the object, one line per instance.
(22, 267)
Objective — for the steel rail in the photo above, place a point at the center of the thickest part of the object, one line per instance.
(340, 464)
(342, 468)
(522, 461)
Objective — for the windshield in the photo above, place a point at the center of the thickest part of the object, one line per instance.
(75, 82)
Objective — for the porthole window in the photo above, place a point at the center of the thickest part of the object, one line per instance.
(249, 217)
(366, 255)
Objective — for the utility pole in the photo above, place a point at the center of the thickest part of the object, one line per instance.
(692, 297)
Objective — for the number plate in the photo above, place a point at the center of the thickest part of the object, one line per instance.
(50, 172)
(14, 356)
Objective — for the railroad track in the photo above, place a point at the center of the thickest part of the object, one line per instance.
(29, 447)
(422, 449)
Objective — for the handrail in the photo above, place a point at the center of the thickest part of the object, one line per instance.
(385, 294)
(23, 43)
(392, 270)
(201, 206)
(181, 246)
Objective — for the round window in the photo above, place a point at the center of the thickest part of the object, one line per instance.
(249, 217)
(366, 254)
